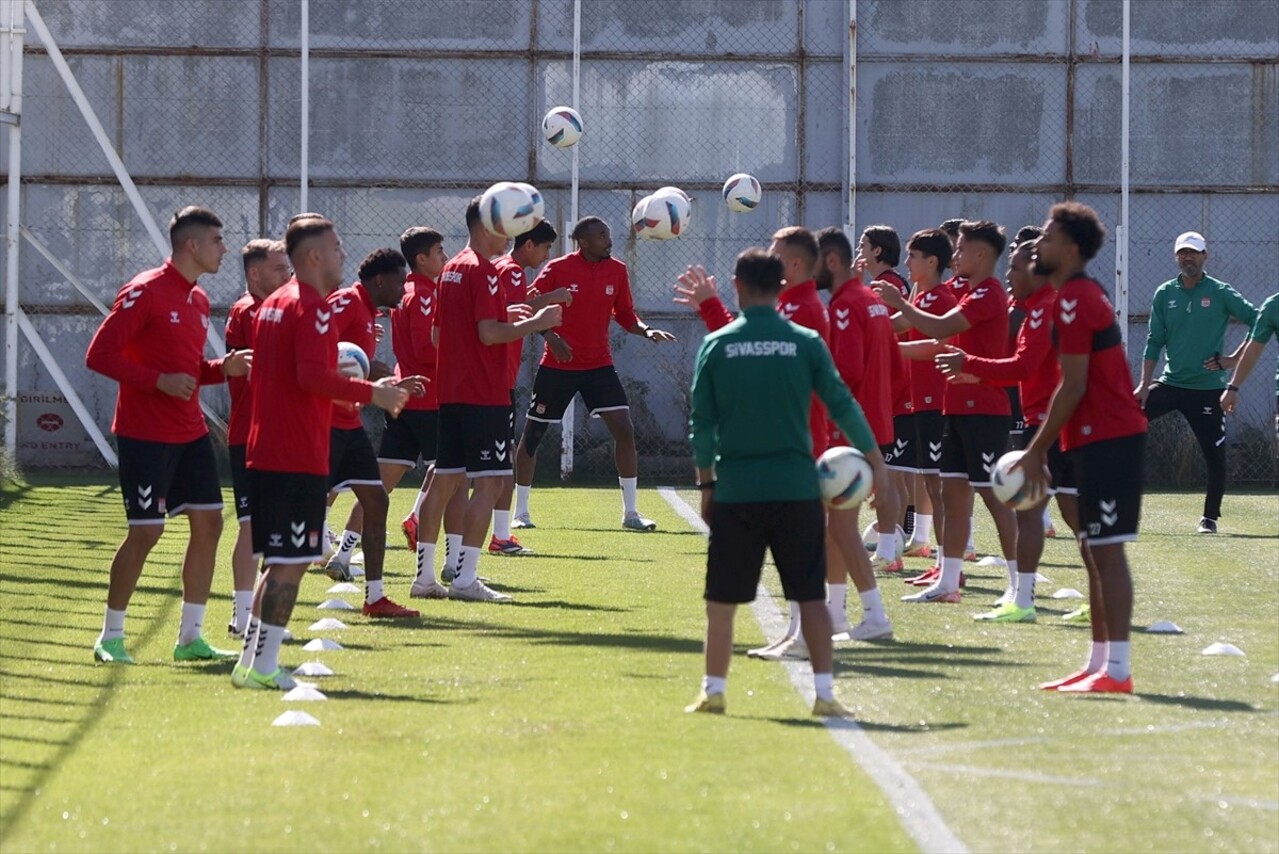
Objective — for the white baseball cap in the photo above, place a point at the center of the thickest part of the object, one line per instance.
(1190, 240)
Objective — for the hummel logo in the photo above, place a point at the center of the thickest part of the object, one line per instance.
(841, 324)
(988, 462)
(322, 321)
(1108, 515)
(144, 497)
(934, 451)
(979, 293)
(131, 297)
(516, 275)
(297, 540)
(841, 313)
(788, 310)
(900, 444)
(1037, 313)
(173, 317)
(492, 284)
(500, 445)
(1068, 310)
(501, 455)
(485, 455)
(322, 328)
(276, 540)
(1207, 410)
(297, 527)
(340, 304)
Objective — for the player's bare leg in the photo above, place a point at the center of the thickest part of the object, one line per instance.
(718, 651)
(475, 528)
(816, 625)
(888, 513)
(850, 553)
(503, 541)
(454, 527)
(373, 505)
(957, 504)
(244, 575)
(259, 664)
(1111, 623)
(126, 569)
(440, 491)
(525, 464)
(197, 580)
(1006, 525)
(625, 455)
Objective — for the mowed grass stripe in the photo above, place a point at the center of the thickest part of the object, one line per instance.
(552, 724)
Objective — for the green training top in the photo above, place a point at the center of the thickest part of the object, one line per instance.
(1191, 325)
(1267, 324)
(752, 387)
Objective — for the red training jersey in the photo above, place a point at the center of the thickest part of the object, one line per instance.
(897, 281)
(239, 336)
(354, 316)
(957, 285)
(601, 290)
(1033, 366)
(411, 323)
(801, 305)
(985, 307)
(157, 325)
(864, 347)
(511, 273)
(1086, 326)
(927, 384)
(467, 369)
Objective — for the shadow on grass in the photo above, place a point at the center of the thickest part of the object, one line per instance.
(868, 726)
(652, 643)
(618, 529)
(559, 604)
(597, 558)
(1205, 704)
(354, 694)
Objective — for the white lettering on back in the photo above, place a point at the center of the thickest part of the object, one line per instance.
(760, 348)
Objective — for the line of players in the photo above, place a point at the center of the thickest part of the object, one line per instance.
(295, 434)
(930, 365)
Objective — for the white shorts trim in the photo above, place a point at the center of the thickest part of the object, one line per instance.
(904, 469)
(935, 471)
(979, 484)
(492, 473)
(460, 470)
(182, 508)
(1065, 490)
(133, 522)
(307, 559)
(955, 474)
(595, 412)
(1110, 541)
(387, 461)
(543, 420)
(345, 486)
(243, 519)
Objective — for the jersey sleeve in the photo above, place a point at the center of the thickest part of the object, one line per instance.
(703, 415)
(315, 348)
(624, 303)
(545, 281)
(848, 349)
(1080, 313)
(844, 411)
(982, 304)
(513, 286)
(421, 317)
(488, 301)
(1033, 344)
(1267, 322)
(1157, 334)
(1239, 307)
(714, 313)
(123, 324)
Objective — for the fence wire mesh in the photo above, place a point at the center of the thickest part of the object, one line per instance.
(974, 108)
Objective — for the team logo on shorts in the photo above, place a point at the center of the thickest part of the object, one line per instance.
(1108, 514)
(313, 539)
(275, 541)
(161, 507)
(485, 456)
(540, 409)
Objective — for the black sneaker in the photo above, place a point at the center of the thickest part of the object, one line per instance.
(1207, 526)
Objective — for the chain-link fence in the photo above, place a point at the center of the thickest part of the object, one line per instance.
(974, 108)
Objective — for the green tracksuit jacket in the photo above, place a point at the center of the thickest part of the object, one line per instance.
(1191, 326)
(1266, 325)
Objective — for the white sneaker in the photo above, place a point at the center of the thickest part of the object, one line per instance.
(433, 590)
(1009, 595)
(794, 650)
(286, 636)
(759, 652)
(477, 592)
(358, 557)
(868, 630)
(841, 631)
(522, 521)
(992, 560)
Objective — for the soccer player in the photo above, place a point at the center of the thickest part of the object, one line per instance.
(352, 463)
(1033, 366)
(152, 344)
(581, 362)
(752, 387)
(1265, 326)
(977, 415)
(475, 437)
(266, 268)
(1188, 321)
(1102, 432)
(528, 251)
(295, 381)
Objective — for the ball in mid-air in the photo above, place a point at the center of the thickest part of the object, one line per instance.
(562, 127)
(508, 209)
(742, 193)
(662, 215)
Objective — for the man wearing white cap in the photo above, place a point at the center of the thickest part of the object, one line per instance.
(1188, 321)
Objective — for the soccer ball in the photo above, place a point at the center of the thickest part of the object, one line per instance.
(661, 216)
(539, 204)
(677, 191)
(508, 209)
(870, 538)
(845, 477)
(352, 361)
(742, 193)
(1010, 486)
(562, 127)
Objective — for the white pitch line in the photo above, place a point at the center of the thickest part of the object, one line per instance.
(912, 804)
(1023, 776)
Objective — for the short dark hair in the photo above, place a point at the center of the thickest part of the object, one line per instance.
(933, 242)
(759, 272)
(379, 261)
(189, 219)
(798, 237)
(885, 239)
(473, 213)
(990, 233)
(584, 223)
(1083, 226)
(538, 235)
(255, 251)
(1025, 233)
(305, 215)
(833, 239)
(951, 227)
(418, 240)
(301, 230)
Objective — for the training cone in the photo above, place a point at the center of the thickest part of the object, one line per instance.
(313, 668)
(343, 587)
(304, 694)
(328, 624)
(1165, 627)
(1068, 593)
(1222, 649)
(320, 645)
(295, 718)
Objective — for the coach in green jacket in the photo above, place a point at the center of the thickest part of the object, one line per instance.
(752, 386)
(1188, 321)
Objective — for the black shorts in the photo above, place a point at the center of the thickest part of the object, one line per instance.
(972, 444)
(1109, 476)
(794, 531)
(554, 388)
(288, 515)
(240, 481)
(901, 453)
(159, 479)
(930, 427)
(1060, 468)
(413, 435)
(351, 460)
(475, 439)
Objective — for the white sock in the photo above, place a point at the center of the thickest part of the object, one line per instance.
(923, 528)
(824, 686)
(250, 642)
(521, 499)
(887, 548)
(1118, 666)
(192, 622)
(630, 494)
(1025, 590)
(836, 603)
(1096, 657)
(350, 539)
(468, 572)
(243, 605)
(1012, 574)
(793, 629)
(425, 564)
(873, 606)
(266, 655)
(502, 524)
(417, 502)
(714, 684)
(112, 625)
(972, 526)
(1048, 517)
(452, 550)
(951, 568)
(372, 591)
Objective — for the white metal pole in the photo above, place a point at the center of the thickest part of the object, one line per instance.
(568, 423)
(12, 60)
(1121, 233)
(850, 189)
(57, 264)
(305, 171)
